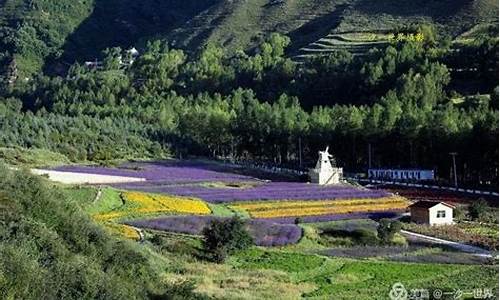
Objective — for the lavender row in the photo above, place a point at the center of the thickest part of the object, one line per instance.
(260, 192)
(264, 232)
(335, 217)
(174, 171)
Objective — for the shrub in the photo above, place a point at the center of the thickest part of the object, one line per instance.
(182, 291)
(223, 237)
(459, 213)
(365, 237)
(387, 229)
(478, 209)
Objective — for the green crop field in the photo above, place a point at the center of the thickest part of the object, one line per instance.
(354, 279)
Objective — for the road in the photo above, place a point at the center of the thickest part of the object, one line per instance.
(458, 246)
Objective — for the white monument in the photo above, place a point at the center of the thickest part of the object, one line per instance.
(324, 173)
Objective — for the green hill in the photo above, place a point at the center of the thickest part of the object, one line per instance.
(49, 31)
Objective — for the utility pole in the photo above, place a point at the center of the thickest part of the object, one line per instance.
(300, 152)
(453, 155)
(369, 155)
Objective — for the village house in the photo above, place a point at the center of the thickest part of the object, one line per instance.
(431, 212)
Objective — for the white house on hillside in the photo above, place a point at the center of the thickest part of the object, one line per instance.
(431, 212)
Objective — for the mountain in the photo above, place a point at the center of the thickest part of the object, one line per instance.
(53, 34)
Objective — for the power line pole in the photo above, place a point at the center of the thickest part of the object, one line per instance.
(369, 155)
(300, 152)
(453, 155)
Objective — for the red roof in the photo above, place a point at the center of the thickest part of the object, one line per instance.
(429, 204)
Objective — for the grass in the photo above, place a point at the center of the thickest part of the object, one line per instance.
(32, 157)
(345, 233)
(481, 229)
(221, 210)
(229, 185)
(355, 279)
(109, 201)
(83, 195)
(291, 262)
(485, 236)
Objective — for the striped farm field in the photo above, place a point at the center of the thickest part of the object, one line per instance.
(136, 203)
(276, 209)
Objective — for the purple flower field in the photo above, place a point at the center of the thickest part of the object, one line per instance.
(184, 178)
(335, 217)
(264, 232)
(264, 191)
(165, 172)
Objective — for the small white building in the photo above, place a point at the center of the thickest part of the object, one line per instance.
(431, 213)
(401, 174)
(324, 173)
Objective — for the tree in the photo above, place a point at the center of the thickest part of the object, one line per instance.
(223, 237)
(477, 209)
(112, 58)
(387, 229)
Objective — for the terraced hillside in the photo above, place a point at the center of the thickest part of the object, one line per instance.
(318, 27)
(37, 32)
(357, 43)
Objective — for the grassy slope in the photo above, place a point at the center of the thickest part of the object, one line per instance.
(242, 24)
(31, 157)
(452, 16)
(50, 249)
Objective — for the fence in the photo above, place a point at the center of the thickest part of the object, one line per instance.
(280, 170)
(437, 187)
(269, 168)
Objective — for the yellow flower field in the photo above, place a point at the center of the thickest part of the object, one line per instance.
(310, 208)
(142, 203)
(123, 230)
(309, 203)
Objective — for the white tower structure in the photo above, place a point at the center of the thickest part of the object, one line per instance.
(324, 173)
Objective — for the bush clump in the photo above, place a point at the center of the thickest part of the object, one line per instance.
(224, 237)
(387, 229)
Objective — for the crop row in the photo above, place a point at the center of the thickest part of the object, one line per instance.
(260, 192)
(259, 206)
(141, 203)
(303, 209)
(264, 232)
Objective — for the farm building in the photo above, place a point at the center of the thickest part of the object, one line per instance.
(401, 174)
(431, 212)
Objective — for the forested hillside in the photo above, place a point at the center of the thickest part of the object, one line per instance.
(51, 35)
(414, 101)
